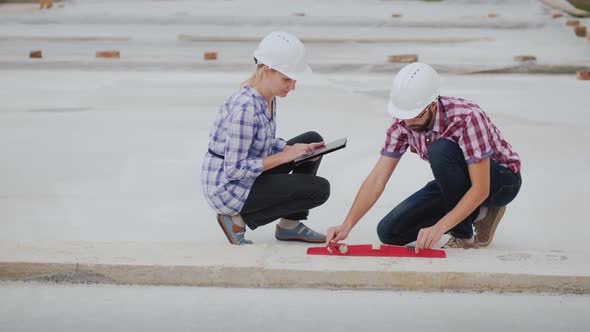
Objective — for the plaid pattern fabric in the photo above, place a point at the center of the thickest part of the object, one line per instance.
(460, 121)
(244, 133)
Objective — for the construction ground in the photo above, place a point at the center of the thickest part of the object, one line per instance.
(101, 157)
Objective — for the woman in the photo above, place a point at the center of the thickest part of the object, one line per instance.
(245, 175)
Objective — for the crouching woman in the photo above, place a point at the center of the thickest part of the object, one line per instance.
(248, 174)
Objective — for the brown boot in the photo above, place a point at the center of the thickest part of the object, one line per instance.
(485, 228)
(459, 243)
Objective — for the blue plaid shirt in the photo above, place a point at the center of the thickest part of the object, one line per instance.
(243, 133)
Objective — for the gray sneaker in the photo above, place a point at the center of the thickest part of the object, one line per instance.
(300, 233)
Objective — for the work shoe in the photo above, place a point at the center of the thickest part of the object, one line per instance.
(300, 233)
(485, 228)
(234, 233)
(457, 243)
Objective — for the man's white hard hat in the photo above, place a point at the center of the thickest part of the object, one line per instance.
(414, 87)
(283, 52)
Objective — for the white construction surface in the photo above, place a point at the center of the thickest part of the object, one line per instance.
(111, 150)
(116, 155)
(100, 166)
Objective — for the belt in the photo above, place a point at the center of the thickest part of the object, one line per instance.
(215, 154)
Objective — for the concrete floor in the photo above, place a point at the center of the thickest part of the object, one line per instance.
(116, 155)
(98, 150)
(106, 150)
(47, 307)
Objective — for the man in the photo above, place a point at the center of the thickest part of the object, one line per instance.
(476, 172)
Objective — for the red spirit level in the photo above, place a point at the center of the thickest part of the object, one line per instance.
(341, 249)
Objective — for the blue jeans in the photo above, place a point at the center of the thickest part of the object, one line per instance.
(451, 181)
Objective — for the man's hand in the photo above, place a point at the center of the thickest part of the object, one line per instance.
(427, 237)
(337, 233)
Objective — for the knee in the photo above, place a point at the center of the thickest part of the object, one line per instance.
(443, 150)
(321, 191)
(387, 234)
(314, 136)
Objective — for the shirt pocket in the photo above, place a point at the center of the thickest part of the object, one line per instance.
(262, 138)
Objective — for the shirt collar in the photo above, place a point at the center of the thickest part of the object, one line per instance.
(439, 117)
(260, 103)
(259, 100)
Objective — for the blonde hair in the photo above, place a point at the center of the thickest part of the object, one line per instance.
(255, 78)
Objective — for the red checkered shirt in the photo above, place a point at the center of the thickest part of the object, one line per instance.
(460, 121)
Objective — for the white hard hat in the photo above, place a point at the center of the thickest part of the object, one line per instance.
(414, 87)
(283, 52)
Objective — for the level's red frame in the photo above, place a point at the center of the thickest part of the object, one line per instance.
(383, 250)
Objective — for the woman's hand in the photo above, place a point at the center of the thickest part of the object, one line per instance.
(337, 233)
(427, 237)
(292, 152)
(314, 146)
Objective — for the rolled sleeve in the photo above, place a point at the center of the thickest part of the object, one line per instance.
(396, 142)
(241, 130)
(278, 145)
(474, 140)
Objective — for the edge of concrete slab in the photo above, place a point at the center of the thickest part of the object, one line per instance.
(287, 266)
(204, 66)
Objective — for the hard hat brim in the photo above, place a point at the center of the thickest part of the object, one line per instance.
(298, 76)
(292, 75)
(404, 114)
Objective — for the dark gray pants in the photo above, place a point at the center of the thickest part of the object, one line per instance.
(277, 194)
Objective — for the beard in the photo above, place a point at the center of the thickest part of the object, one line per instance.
(423, 126)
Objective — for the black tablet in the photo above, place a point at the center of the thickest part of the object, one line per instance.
(330, 147)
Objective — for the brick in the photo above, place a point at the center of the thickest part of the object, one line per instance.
(572, 23)
(403, 58)
(492, 15)
(525, 58)
(557, 15)
(45, 4)
(299, 14)
(583, 75)
(580, 30)
(36, 54)
(108, 54)
(210, 56)
(396, 15)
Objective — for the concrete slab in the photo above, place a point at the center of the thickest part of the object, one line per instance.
(103, 150)
(89, 64)
(356, 36)
(267, 266)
